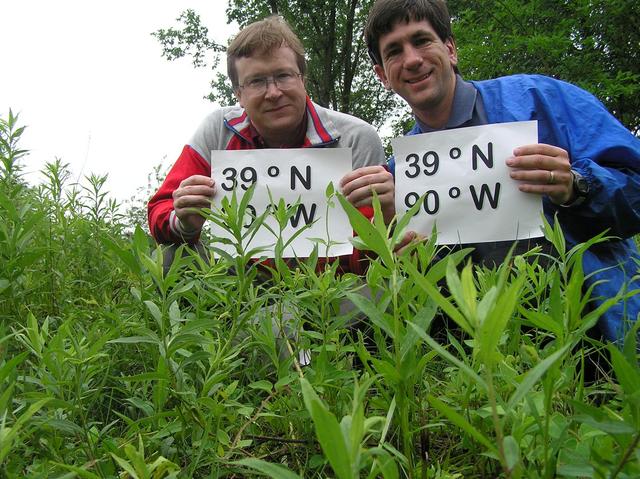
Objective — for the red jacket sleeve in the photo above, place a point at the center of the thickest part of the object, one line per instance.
(163, 223)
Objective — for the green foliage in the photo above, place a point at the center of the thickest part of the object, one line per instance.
(112, 366)
(339, 74)
(193, 40)
(591, 43)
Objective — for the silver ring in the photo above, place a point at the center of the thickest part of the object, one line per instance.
(552, 178)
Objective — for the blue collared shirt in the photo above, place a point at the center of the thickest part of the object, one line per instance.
(467, 109)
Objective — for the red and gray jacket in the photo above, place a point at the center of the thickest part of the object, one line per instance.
(229, 128)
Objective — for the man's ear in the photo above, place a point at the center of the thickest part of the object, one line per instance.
(381, 76)
(450, 44)
(238, 95)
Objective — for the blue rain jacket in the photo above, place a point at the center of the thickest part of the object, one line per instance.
(608, 156)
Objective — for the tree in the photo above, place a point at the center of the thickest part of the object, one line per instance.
(592, 43)
(339, 72)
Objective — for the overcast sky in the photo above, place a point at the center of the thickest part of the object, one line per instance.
(89, 82)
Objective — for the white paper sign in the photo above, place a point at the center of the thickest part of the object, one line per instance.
(470, 197)
(294, 175)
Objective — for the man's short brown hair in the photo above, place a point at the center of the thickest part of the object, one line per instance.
(384, 14)
(262, 37)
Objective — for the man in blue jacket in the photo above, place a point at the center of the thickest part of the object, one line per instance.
(586, 165)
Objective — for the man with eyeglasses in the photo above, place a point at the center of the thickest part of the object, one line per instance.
(266, 66)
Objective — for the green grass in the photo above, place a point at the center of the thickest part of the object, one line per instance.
(110, 367)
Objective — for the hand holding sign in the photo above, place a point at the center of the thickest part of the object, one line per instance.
(464, 185)
(543, 169)
(359, 186)
(193, 194)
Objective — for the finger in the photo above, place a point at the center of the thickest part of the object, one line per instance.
(363, 171)
(197, 180)
(382, 177)
(542, 177)
(539, 162)
(539, 149)
(195, 190)
(540, 156)
(191, 202)
(365, 194)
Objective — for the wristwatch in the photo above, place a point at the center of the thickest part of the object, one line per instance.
(580, 189)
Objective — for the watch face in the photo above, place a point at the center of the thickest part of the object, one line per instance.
(581, 185)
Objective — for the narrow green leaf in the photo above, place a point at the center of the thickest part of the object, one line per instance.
(628, 375)
(610, 427)
(11, 365)
(5, 446)
(462, 289)
(441, 301)
(263, 384)
(493, 326)
(328, 432)
(371, 311)
(533, 375)
(543, 321)
(83, 473)
(422, 320)
(155, 311)
(451, 358)
(275, 471)
(511, 451)
(125, 255)
(631, 340)
(367, 232)
(126, 466)
(135, 340)
(439, 270)
(388, 420)
(462, 423)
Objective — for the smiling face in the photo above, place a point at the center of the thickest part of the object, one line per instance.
(418, 66)
(278, 115)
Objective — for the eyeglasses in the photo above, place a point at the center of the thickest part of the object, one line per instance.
(283, 81)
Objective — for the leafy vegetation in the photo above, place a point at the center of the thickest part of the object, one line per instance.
(591, 43)
(339, 73)
(111, 367)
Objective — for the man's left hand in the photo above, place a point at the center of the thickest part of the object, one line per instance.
(358, 187)
(543, 169)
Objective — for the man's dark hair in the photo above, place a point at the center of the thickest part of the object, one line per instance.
(384, 14)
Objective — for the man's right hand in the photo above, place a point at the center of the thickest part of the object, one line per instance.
(193, 194)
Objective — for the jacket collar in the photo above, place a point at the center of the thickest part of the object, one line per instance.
(464, 102)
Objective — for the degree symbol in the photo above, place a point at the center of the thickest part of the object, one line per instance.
(273, 171)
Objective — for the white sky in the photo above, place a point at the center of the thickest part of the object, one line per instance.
(89, 82)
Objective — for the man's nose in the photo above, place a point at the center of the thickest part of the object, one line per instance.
(412, 57)
(272, 90)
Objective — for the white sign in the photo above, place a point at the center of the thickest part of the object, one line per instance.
(462, 174)
(298, 176)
